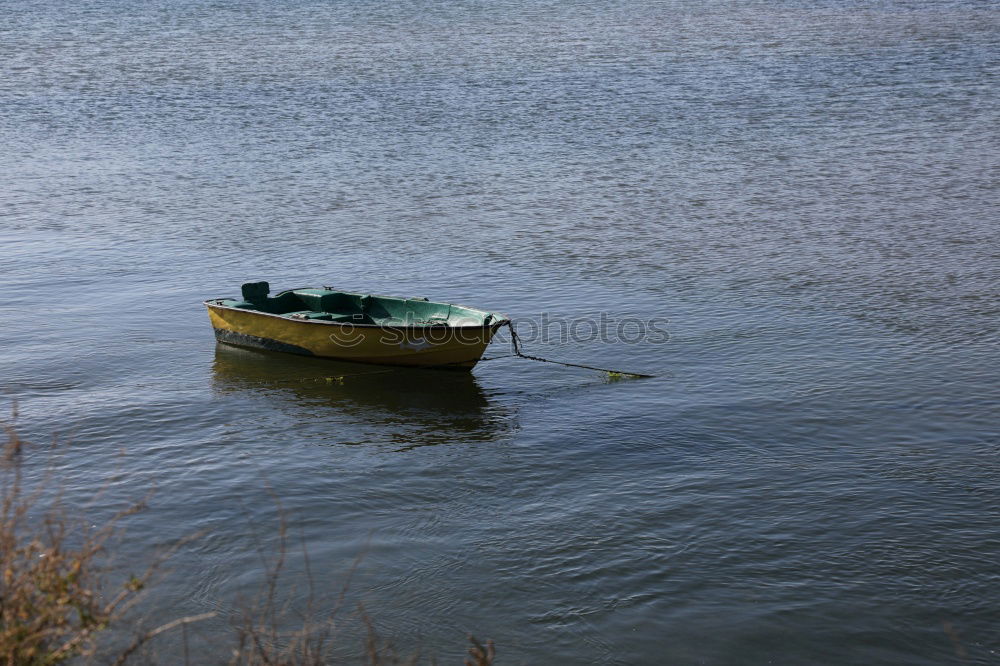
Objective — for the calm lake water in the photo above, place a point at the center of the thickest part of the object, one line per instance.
(807, 192)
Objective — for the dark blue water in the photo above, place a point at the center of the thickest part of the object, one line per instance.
(807, 193)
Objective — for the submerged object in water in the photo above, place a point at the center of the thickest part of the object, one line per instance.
(349, 326)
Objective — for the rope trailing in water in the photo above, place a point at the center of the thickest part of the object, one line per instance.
(612, 374)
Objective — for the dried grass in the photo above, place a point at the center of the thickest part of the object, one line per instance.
(55, 602)
(52, 564)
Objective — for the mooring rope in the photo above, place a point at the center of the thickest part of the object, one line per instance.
(613, 374)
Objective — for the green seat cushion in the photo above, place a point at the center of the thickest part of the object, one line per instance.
(322, 300)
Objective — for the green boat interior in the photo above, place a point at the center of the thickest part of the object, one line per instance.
(328, 304)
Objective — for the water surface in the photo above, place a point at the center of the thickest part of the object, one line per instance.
(807, 192)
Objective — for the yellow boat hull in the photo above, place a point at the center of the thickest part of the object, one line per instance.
(458, 347)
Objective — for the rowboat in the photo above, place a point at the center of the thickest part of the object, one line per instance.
(366, 328)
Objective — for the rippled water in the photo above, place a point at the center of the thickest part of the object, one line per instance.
(807, 192)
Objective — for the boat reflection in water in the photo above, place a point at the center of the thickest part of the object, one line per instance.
(404, 407)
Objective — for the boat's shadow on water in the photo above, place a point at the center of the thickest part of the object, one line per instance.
(405, 407)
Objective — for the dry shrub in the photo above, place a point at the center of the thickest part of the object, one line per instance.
(480, 655)
(261, 633)
(269, 633)
(53, 601)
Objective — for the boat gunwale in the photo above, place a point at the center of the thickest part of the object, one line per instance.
(503, 319)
